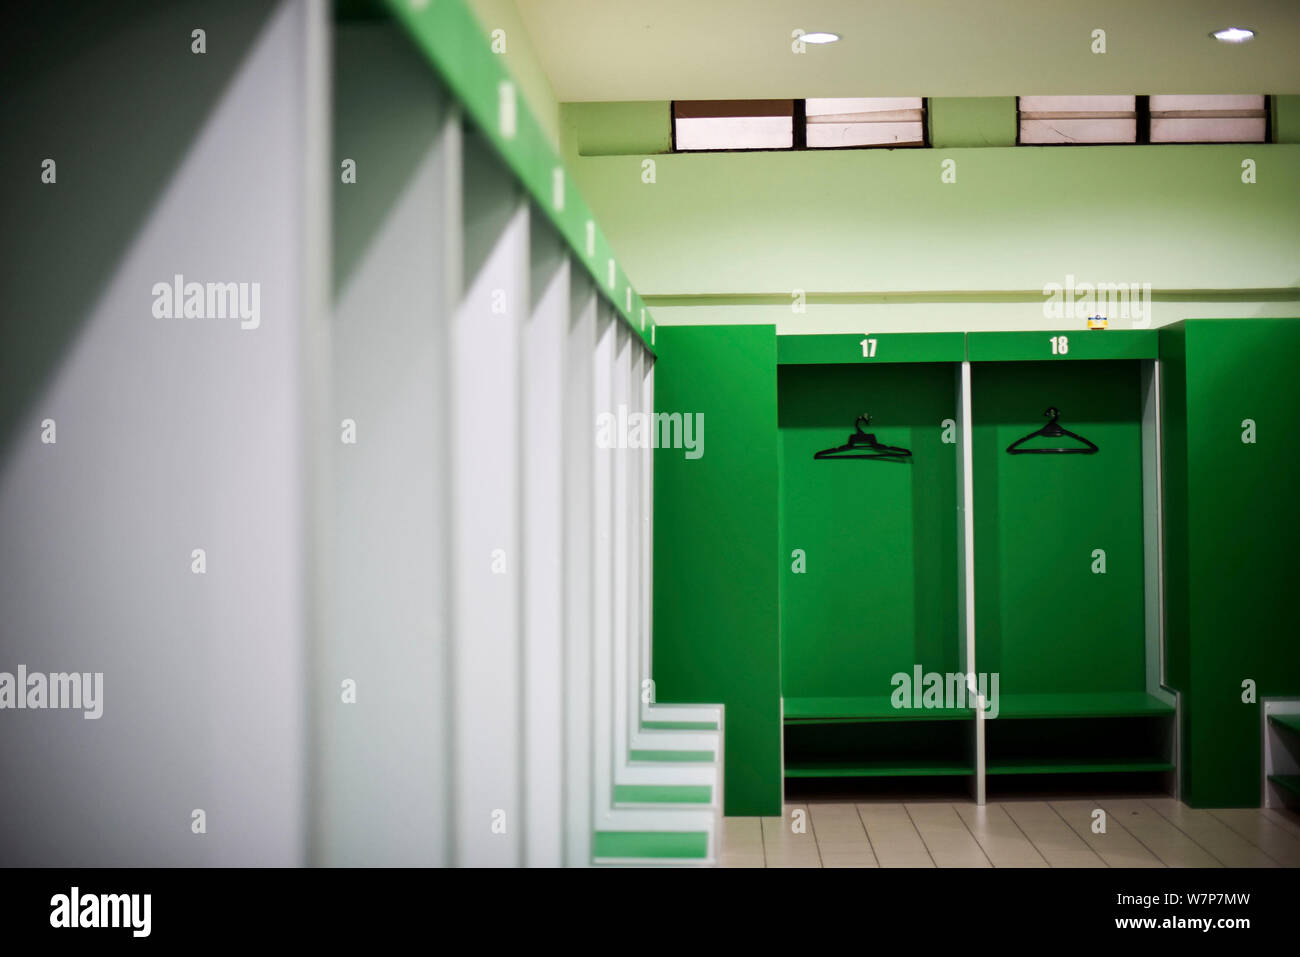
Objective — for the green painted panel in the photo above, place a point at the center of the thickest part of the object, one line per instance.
(878, 538)
(867, 769)
(651, 844)
(662, 794)
(680, 725)
(974, 121)
(522, 59)
(1106, 705)
(1073, 766)
(1285, 119)
(1044, 621)
(880, 221)
(664, 757)
(617, 129)
(1047, 345)
(715, 549)
(877, 708)
(1242, 516)
(869, 349)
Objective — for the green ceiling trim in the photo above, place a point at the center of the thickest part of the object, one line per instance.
(453, 41)
(1042, 345)
(1282, 294)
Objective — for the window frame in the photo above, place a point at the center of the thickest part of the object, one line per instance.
(1142, 111)
(799, 139)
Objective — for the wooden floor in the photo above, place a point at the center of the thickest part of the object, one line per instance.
(1140, 832)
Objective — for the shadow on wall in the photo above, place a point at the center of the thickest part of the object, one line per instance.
(172, 436)
(115, 96)
(380, 772)
(385, 122)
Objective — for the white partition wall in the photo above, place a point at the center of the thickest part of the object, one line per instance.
(486, 553)
(397, 279)
(153, 462)
(542, 438)
(549, 511)
(603, 577)
(622, 470)
(646, 646)
(491, 579)
(633, 671)
(579, 570)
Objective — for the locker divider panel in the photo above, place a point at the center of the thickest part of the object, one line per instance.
(486, 554)
(622, 549)
(603, 620)
(386, 627)
(1229, 406)
(541, 436)
(966, 569)
(579, 567)
(715, 538)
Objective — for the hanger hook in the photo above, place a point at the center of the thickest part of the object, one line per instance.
(1053, 413)
(863, 419)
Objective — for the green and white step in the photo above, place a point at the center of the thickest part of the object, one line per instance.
(680, 717)
(655, 740)
(632, 771)
(665, 756)
(654, 795)
(658, 835)
(665, 802)
(679, 728)
(652, 847)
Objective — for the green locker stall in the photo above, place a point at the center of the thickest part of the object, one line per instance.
(869, 555)
(1063, 554)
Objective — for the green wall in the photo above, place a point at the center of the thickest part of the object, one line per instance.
(864, 221)
(615, 129)
(971, 121)
(1044, 620)
(1232, 522)
(879, 590)
(715, 549)
(1285, 119)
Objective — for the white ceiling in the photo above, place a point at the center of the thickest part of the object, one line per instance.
(740, 49)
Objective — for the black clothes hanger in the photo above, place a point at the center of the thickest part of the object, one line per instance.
(1052, 430)
(863, 445)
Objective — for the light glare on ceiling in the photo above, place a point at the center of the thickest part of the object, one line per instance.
(1233, 35)
(819, 37)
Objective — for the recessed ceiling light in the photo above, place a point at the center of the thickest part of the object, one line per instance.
(820, 37)
(1233, 35)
